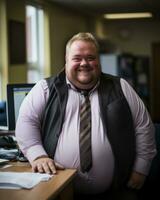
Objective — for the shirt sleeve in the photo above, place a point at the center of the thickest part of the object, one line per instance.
(28, 126)
(144, 130)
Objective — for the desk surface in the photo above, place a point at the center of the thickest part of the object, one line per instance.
(44, 190)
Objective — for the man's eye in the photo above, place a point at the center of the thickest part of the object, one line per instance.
(91, 58)
(76, 59)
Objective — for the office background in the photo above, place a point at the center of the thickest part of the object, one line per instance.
(138, 38)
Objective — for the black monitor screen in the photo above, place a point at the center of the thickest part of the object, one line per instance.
(15, 95)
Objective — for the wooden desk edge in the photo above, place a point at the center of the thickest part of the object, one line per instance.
(72, 174)
(51, 189)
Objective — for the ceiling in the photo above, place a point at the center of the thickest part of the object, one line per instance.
(99, 7)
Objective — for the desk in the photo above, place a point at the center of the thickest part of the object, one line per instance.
(58, 188)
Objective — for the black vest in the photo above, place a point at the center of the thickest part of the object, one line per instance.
(116, 117)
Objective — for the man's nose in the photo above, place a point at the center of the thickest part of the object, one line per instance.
(84, 61)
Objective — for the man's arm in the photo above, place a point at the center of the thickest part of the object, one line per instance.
(28, 129)
(145, 137)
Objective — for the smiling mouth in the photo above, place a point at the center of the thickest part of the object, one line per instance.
(85, 70)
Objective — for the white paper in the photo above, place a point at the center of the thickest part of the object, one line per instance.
(18, 180)
(2, 161)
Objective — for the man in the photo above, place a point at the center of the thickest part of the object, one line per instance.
(122, 134)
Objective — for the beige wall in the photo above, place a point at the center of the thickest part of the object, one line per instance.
(63, 25)
(134, 37)
(16, 11)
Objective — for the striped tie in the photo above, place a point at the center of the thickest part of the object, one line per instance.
(85, 135)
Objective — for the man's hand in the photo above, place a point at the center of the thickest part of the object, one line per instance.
(45, 164)
(136, 180)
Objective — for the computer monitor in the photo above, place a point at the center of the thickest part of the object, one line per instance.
(15, 95)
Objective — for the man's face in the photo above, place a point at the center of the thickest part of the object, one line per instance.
(82, 64)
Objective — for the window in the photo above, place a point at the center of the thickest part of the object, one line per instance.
(35, 43)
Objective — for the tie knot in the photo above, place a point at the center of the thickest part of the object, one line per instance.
(85, 93)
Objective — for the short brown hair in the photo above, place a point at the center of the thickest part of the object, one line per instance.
(84, 36)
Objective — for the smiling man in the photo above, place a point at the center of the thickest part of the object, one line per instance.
(90, 121)
(82, 64)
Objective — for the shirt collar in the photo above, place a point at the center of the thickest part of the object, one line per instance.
(71, 86)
